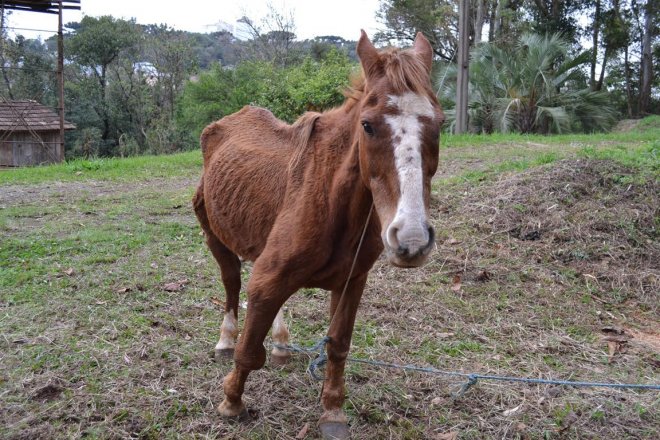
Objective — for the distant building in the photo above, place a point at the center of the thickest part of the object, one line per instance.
(29, 134)
(148, 71)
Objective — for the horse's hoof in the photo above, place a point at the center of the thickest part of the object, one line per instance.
(279, 360)
(223, 355)
(233, 411)
(334, 431)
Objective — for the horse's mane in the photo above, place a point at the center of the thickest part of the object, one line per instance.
(301, 132)
(404, 70)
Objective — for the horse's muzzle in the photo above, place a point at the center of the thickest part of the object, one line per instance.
(411, 254)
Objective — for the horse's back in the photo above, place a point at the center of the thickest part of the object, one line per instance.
(246, 161)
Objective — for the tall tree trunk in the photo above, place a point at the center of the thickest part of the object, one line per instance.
(479, 21)
(594, 56)
(501, 4)
(492, 19)
(556, 11)
(463, 67)
(104, 104)
(599, 86)
(646, 63)
(626, 67)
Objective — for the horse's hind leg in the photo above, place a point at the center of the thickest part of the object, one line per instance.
(230, 271)
(280, 356)
(267, 292)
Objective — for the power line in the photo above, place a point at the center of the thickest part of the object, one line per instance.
(30, 29)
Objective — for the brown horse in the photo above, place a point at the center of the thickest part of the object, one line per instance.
(296, 200)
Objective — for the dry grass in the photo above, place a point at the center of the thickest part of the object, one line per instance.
(547, 258)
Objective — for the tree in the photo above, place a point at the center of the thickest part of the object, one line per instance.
(533, 87)
(275, 40)
(506, 21)
(436, 19)
(596, 23)
(27, 68)
(650, 30)
(479, 12)
(219, 46)
(616, 36)
(96, 42)
(173, 60)
(556, 16)
(286, 91)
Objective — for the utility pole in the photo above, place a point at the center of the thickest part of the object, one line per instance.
(463, 65)
(60, 78)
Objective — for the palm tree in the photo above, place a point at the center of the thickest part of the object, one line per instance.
(533, 87)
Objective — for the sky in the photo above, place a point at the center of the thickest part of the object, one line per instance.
(344, 18)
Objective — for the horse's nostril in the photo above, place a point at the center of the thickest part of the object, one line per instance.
(392, 238)
(431, 236)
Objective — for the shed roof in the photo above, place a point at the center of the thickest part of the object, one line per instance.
(29, 115)
(47, 6)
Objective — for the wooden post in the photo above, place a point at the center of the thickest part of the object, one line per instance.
(60, 78)
(463, 64)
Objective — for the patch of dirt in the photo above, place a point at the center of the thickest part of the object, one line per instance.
(66, 192)
(626, 125)
(586, 215)
(48, 392)
(650, 338)
(448, 168)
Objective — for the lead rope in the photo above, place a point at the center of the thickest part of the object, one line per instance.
(364, 232)
(322, 358)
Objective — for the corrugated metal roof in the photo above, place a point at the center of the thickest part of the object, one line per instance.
(29, 115)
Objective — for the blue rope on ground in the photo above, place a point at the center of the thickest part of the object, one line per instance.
(472, 378)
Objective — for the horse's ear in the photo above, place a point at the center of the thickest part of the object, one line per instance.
(368, 55)
(424, 51)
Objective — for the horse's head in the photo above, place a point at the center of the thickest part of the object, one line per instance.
(400, 122)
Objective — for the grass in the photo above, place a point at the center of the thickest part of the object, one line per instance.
(93, 346)
(476, 158)
(647, 130)
(109, 169)
(644, 156)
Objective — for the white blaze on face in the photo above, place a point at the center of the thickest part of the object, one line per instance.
(408, 224)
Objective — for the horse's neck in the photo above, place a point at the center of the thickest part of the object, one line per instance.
(348, 194)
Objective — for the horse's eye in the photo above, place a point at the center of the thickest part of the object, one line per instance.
(368, 128)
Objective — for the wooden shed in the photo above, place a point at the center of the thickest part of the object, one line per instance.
(30, 134)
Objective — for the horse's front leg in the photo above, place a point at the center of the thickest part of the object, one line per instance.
(333, 423)
(266, 294)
